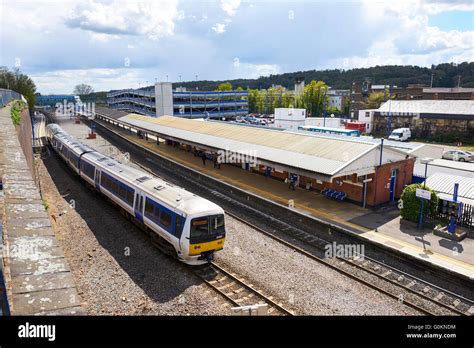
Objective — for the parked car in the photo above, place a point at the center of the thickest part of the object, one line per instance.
(400, 134)
(459, 155)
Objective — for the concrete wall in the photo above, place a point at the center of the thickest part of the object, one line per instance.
(289, 118)
(164, 98)
(25, 136)
(37, 274)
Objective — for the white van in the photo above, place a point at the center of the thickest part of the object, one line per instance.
(400, 134)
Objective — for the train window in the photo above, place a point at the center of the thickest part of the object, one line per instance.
(165, 219)
(74, 159)
(179, 226)
(87, 169)
(122, 191)
(217, 223)
(129, 197)
(149, 209)
(199, 227)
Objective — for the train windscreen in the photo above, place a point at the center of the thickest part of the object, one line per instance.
(207, 228)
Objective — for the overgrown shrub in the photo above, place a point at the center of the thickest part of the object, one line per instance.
(16, 110)
(411, 204)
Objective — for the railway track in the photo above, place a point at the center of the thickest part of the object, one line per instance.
(237, 290)
(409, 286)
(225, 282)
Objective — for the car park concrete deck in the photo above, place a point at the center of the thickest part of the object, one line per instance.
(349, 215)
(37, 274)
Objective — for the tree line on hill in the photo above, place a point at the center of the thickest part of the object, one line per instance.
(444, 75)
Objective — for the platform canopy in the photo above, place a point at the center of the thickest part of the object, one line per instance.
(322, 157)
(443, 184)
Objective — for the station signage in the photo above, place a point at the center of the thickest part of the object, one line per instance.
(425, 194)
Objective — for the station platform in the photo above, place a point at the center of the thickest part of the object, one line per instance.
(380, 227)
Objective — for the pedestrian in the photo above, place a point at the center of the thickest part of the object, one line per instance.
(292, 182)
(217, 163)
(203, 156)
(268, 172)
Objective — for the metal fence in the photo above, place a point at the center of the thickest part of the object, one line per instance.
(6, 95)
(465, 219)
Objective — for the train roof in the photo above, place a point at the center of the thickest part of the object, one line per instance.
(174, 196)
(170, 194)
(72, 142)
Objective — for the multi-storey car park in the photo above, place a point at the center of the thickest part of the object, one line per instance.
(161, 100)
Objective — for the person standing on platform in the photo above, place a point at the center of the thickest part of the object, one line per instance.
(292, 182)
(268, 172)
(203, 156)
(217, 164)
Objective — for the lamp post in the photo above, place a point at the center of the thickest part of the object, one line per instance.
(389, 107)
(424, 161)
(324, 110)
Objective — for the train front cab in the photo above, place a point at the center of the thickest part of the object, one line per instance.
(206, 235)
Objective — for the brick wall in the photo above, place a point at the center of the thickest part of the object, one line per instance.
(378, 190)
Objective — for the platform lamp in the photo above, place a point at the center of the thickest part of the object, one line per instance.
(424, 161)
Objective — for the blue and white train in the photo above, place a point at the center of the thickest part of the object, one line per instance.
(180, 223)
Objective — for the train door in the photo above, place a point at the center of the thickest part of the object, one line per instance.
(97, 179)
(139, 201)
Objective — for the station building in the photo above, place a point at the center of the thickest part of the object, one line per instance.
(161, 100)
(425, 118)
(368, 173)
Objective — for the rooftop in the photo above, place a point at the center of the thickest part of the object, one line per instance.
(462, 107)
(329, 156)
(448, 90)
(444, 185)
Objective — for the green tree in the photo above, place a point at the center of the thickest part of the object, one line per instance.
(225, 86)
(252, 99)
(18, 82)
(332, 110)
(376, 99)
(313, 97)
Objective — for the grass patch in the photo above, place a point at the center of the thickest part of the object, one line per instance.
(16, 110)
(45, 204)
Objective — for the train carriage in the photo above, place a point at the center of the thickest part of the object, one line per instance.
(188, 226)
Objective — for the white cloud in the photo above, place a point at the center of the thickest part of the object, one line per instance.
(230, 6)
(253, 71)
(402, 35)
(219, 28)
(63, 81)
(154, 19)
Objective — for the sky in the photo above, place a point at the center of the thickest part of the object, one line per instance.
(114, 44)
